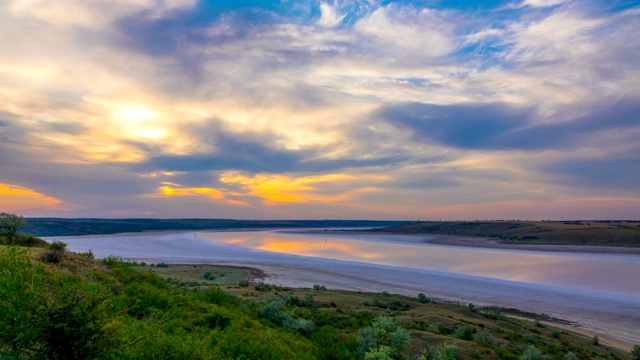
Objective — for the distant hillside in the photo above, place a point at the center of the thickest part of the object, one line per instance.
(597, 232)
(85, 226)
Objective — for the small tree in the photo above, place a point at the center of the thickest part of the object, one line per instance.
(10, 224)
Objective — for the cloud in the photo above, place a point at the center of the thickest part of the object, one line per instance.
(276, 189)
(620, 174)
(540, 3)
(254, 152)
(329, 16)
(504, 127)
(421, 31)
(16, 198)
(113, 102)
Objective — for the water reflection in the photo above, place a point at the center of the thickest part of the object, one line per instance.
(614, 274)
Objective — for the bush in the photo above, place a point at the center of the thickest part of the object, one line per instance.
(635, 353)
(52, 257)
(533, 353)
(443, 352)
(484, 336)
(89, 254)
(58, 245)
(319, 287)
(243, 283)
(529, 338)
(463, 333)
(209, 276)
(381, 353)
(570, 356)
(423, 298)
(384, 331)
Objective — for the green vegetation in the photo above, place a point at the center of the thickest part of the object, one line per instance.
(81, 308)
(10, 225)
(603, 233)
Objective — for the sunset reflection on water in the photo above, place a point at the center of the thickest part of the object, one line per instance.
(615, 274)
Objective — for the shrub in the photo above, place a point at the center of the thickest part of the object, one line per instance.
(484, 336)
(162, 265)
(218, 296)
(529, 338)
(556, 334)
(570, 356)
(319, 287)
(58, 245)
(595, 341)
(52, 257)
(89, 254)
(533, 353)
(463, 333)
(443, 352)
(243, 283)
(384, 331)
(381, 353)
(209, 276)
(472, 307)
(423, 298)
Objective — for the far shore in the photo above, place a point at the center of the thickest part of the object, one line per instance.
(478, 242)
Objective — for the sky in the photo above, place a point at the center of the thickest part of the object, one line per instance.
(345, 109)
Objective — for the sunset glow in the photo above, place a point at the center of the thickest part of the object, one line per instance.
(320, 109)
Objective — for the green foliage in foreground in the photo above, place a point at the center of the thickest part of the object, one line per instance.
(47, 312)
(79, 308)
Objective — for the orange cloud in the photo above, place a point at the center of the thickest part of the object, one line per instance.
(169, 189)
(284, 189)
(18, 198)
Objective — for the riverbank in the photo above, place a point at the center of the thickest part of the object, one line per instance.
(608, 315)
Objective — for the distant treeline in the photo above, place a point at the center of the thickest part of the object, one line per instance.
(86, 226)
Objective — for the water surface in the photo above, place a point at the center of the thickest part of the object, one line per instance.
(610, 274)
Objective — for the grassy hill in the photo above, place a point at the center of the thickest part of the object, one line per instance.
(603, 233)
(55, 304)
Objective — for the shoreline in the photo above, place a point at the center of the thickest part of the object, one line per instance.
(479, 242)
(611, 316)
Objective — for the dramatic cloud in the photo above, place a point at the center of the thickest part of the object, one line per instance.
(301, 109)
(501, 127)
